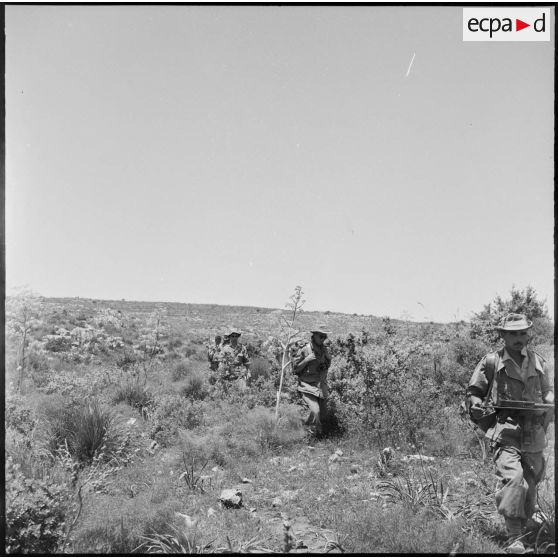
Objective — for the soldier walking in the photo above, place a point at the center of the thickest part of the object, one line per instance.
(234, 361)
(512, 380)
(311, 365)
(213, 351)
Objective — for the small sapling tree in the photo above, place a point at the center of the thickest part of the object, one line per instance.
(22, 317)
(288, 333)
(150, 348)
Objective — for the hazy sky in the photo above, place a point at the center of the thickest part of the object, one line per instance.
(226, 154)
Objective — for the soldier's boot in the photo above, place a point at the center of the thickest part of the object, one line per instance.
(514, 527)
(516, 547)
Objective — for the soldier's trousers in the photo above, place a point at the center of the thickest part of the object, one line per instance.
(317, 408)
(519, 473)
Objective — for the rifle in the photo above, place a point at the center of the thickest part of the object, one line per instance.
(510, 405)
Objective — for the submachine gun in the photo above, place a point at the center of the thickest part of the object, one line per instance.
(511, 405)
(510, 408)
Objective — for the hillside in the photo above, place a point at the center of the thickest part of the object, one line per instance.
(120, 439)
(204, 319)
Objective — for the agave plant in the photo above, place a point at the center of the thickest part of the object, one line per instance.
(177, 541)
(251, 546)
(545, 540)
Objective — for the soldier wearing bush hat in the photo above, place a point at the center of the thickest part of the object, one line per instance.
(515, 383)
(311, 364)
(234, 361)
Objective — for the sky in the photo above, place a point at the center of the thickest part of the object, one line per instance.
(226, 154)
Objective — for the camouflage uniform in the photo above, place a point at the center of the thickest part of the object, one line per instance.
(213, 353)
(517, 438)
(213, 357)
(312, 381)
(234, 362)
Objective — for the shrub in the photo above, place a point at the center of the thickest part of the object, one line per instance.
(195, 388)
(375, 387)
(58, 343)
(35, 513)
(18, 416)
(190, 351)
(119, 527)
(400, 531)
(38, 364)
(126, 360)
(195, 455)
(260, 368)
(176, 541)
(258, 429)
(172, 413)
(133, 391)
(78, 383)
(181, 370)
(524, 301)
(86, 430)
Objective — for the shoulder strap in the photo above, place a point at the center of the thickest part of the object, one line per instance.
(535, 355)
(490, 373)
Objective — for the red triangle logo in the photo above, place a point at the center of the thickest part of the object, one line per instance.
(519, 25)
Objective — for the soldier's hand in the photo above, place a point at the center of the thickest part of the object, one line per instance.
(476, 410)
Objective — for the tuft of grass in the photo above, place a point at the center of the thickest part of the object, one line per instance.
(85, 430)
(133, 391)
(399, 530)
(195, 457)
(545, 531)
(175, 541)
(269, 434)
(260, 368)
(181, 370)
(195, 387)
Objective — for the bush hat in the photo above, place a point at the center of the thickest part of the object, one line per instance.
(321, 330)
(233, 332)
(514, 322)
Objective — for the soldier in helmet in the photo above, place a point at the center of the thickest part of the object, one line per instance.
(517, 375)
(311, 364)
(233, 360)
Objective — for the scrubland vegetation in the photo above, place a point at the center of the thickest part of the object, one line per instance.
(118, 442)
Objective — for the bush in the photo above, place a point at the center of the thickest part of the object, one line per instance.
(86, 430)
(126, 360)
(18, 416)
(190, 351)
(38, 365)
(195, 388)
(35, 513)
(58, 343)
(400, 531)
(258, 431)
(173, 413)
(133, 392)
(181, 370)
(374, 389)
(524, 301)
(260, 368)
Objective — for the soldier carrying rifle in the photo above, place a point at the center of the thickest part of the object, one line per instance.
(311, 364)
(511, 397)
